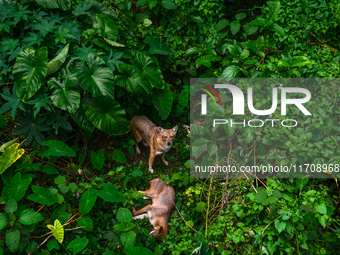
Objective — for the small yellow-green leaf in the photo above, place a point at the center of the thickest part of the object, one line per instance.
(11, 155)
(57, 231)
(115, 44)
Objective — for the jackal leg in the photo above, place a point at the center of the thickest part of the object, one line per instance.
(151, 159)
(163, 159)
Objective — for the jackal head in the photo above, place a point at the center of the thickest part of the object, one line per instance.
(168, 135)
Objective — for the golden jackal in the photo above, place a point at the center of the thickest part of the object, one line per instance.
(159, 139)
(163, 200)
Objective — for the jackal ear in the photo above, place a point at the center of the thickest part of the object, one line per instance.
(174, 129)
(161, 130)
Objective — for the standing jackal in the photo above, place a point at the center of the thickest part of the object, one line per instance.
(159, 139)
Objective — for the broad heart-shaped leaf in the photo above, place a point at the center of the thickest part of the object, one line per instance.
(55, 4)
(221, 25)
(12, 239)
(87, 201)
(132, 79)
(64, 94)
(157, 46)
(10, 155)
(107, 115)
(110, 193)
(82, 121)
(119, 156)
(321, 208)
(150, 69)
(17, 187)
(231, 72)
(97, 77)
(124, 215)
(31, 126)
(106, 27)
(57, 231)
(11, 206)
(86, 221)
(57, 149)
(300, 61)
(280, 226)
(137, 250)
(128, 238)
(97, 159)
(98, 8)
(162, 100)
(29, 71)
(235, 27)
(29, 217)
(78, 244)
(42, 196)
(58, 61)
(168, 4)
(198, 147)
(260, 197)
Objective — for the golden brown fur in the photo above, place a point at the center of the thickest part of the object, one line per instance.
(160, 140)
(163, 199)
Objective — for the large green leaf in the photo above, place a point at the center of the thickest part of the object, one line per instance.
(78, 244)
(82, 121)
(106, 27)
(64, 94)
(98, 8)
(231, 72)
(132, 79)
(58, 61)
(162, 100)
(11, 155)
(11, 206)
(29, 217)
(55, 4)
(124, 215)
(110, 193)
(168, 4)
(87, 201)
(97, 77)
(107, 115)
(157, 46)
(58, 148)
(42, 196)
(128, 238)
(29, 71)
(97, 159)
(16, 188)
(150, 69)
(274, 11)
(12, 240)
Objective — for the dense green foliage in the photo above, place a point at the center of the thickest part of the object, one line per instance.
(73, 73)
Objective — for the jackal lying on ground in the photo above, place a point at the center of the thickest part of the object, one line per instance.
(163, 200)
